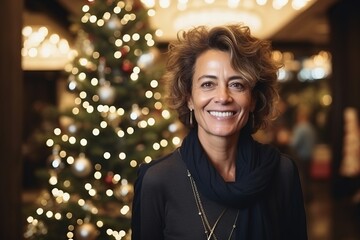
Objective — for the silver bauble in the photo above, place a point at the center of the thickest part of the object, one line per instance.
(86, 231)
(106, 93)
(82, 166)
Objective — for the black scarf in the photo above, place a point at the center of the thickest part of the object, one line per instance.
(255, 167)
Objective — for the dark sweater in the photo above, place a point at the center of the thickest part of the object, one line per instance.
(164, 206)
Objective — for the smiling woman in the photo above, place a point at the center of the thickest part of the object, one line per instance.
(220, 183)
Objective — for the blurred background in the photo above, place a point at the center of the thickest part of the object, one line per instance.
(82, 106)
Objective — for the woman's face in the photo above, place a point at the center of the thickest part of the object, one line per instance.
(220, 97)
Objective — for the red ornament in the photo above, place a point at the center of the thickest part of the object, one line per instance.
(127, 66)
(124, 51)
(109, 179)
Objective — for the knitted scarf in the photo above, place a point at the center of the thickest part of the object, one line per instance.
(255, 167)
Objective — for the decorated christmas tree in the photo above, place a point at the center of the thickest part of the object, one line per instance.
(117, 121)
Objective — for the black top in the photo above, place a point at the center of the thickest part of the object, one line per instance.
(164, 206)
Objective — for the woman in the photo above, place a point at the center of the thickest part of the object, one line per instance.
(221, 183)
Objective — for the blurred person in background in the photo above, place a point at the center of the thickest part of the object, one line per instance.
(303, 140)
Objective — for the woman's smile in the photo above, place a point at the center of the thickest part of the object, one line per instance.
(221, 114)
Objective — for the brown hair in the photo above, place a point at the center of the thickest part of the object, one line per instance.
(249, 55)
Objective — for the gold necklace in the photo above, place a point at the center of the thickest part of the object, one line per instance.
(209, 231)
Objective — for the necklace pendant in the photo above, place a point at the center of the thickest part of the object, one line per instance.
(202, 214)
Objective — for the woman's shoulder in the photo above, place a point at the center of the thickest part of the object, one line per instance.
(287, 164)
(286, 201)
(288, 173)
(161, 167)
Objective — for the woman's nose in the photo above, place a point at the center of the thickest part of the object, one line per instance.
(223, 95)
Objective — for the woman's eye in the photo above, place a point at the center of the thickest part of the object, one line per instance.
(207, 84)
(237, 85)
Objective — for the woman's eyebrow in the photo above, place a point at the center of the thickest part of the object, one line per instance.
(207, 76)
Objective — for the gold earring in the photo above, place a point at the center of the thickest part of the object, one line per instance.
(191, 117)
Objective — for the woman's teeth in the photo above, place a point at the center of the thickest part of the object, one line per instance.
(221, 114)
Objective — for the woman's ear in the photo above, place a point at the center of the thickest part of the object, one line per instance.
(190, 103)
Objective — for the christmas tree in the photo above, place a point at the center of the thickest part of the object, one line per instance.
(117, 121)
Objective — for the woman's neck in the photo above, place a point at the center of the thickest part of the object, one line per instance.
(221, 152)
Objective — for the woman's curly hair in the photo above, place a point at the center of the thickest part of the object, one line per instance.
(251, 56)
